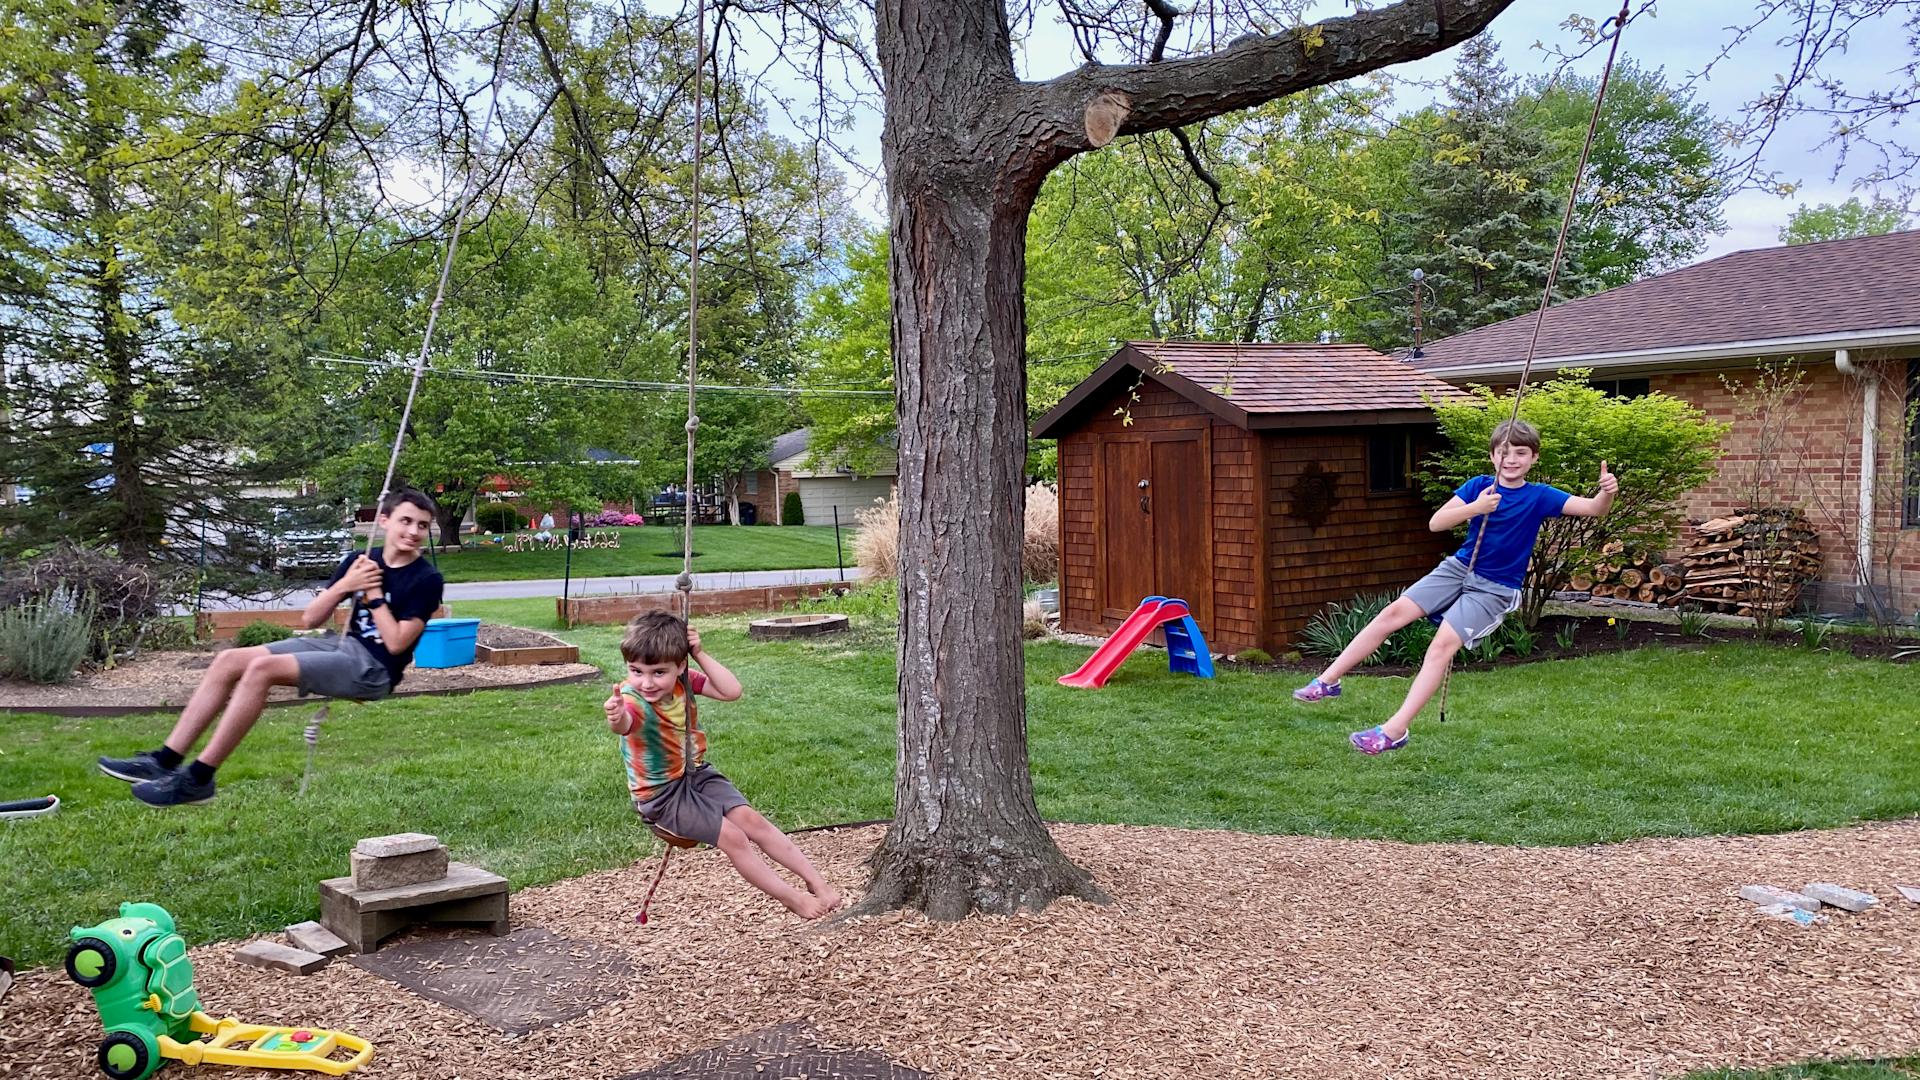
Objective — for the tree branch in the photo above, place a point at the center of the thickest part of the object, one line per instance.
(1258, 68)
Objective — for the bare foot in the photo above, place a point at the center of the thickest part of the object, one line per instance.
(807, 906)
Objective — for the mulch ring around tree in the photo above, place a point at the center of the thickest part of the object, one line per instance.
(165, 680)
(1567, 637)
(1222, 955)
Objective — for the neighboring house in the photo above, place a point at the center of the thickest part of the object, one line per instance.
(1845, 312)
(825, 488)
(1257, 482)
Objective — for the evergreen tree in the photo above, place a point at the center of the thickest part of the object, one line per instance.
(1479, 214)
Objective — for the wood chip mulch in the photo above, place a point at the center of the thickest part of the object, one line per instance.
(1223, 955)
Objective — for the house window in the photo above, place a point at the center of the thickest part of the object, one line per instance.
(1389, 456)
(753, 483)
(1912, 463)
(1622, 388)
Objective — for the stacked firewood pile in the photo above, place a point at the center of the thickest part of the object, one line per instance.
(1631, 575)
(1753, 562)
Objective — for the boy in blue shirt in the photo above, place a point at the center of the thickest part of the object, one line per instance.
(1469, 603)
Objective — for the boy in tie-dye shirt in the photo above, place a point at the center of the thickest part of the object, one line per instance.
(674, 789)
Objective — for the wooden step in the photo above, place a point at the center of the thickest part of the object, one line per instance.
(365, 917)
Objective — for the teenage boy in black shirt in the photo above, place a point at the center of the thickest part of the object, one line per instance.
(394, 593)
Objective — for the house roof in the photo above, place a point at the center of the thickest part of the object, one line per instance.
(1857, 293)
(789, 444)
(1258, 386)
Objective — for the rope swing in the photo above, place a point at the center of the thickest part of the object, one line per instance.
(1619, 23)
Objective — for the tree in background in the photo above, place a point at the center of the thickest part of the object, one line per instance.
(1842, 221)
(846, 345)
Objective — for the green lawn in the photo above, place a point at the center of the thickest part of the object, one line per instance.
(1725, 739)
(655, 549)
(1901, 1069)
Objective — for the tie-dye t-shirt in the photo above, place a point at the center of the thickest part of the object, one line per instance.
(655, 750)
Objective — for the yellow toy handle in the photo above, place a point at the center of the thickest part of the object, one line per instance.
(219, 1051)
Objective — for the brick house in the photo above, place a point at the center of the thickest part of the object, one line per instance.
(1257, 482)
(1844, 313)
(827, 487)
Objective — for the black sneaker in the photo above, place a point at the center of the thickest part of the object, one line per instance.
(139, 767)
(173, 789)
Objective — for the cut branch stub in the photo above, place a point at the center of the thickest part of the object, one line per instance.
(1105, 113)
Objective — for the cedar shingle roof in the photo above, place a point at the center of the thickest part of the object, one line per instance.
(1838, 287)
(1267, 386)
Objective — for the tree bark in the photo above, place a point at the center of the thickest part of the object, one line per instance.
(966, 148)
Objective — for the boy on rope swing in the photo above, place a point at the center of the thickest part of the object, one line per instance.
(675, 791)
(1471, 590)
(394, 592)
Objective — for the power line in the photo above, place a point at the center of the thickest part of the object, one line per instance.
(584, 382)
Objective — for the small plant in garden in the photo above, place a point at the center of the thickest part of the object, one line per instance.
(166, 633)
(1620, 629)
(44, 638)
(1815, 632)
(1693, 623)
(1254, 656)
(1490, 648)
(260, 632)
(1519, 639)
(1329, 631)
(1408, 645)
(1563, 638)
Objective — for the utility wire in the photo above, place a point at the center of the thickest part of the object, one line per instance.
(586, 382)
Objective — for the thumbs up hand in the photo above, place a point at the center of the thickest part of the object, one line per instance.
(1609, 484)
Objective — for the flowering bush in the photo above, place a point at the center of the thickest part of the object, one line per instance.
(610, 517)
(633, 520)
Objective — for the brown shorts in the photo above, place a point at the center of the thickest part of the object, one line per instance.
(693, 806)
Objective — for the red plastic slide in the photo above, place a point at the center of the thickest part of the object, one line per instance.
(1107, 659)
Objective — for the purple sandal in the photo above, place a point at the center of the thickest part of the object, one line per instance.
(1375, 741)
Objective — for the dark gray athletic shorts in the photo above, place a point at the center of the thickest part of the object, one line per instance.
(693, 806)
(1469, 603)
(335, 667)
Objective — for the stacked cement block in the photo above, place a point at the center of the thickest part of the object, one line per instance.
(404, 879)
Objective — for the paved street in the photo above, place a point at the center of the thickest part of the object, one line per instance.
(501, 590)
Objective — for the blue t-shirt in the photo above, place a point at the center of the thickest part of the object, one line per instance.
(1511, 529)
(413, 592)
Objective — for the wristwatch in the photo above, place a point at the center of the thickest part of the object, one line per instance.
(375, 603)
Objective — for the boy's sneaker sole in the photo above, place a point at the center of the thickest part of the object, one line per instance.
(173, 790)
(134, 770)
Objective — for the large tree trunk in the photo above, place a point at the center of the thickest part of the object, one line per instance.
(966, 834)
(966, 147)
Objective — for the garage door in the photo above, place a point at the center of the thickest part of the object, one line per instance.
(819, 495)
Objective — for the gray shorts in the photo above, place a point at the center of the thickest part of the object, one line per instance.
(335, 667)
(693, 806)
(1469, 603)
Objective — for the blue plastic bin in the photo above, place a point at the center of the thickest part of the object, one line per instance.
(447, 643)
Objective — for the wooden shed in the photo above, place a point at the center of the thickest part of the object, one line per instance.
(1258, 482)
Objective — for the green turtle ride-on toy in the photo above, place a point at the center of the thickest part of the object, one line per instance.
(142, 983)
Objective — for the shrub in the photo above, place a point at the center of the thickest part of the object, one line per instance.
(609, 518)
(43, 639)
(118, 596)
(1660, 447)
(167, 632)
(632, 520)
(1693, 623)
(876, 546)
(791, 512)
(496, 517)
(260, 632)
(1040, 547)
(1254, 656)
(1327, 633)
(1033, 620)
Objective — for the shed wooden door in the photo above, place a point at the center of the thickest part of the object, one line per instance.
(1154, 522)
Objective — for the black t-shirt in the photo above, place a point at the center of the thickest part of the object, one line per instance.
(412, 591)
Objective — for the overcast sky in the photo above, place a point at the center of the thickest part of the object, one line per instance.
(1681, 37)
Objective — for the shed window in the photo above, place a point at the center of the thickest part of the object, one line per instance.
(1622, 388)
(1389, 457)
(1912, 463)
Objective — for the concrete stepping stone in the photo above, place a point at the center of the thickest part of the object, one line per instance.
(313, 937)
(1839, 896)
(273, 956)
(1766, 895)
